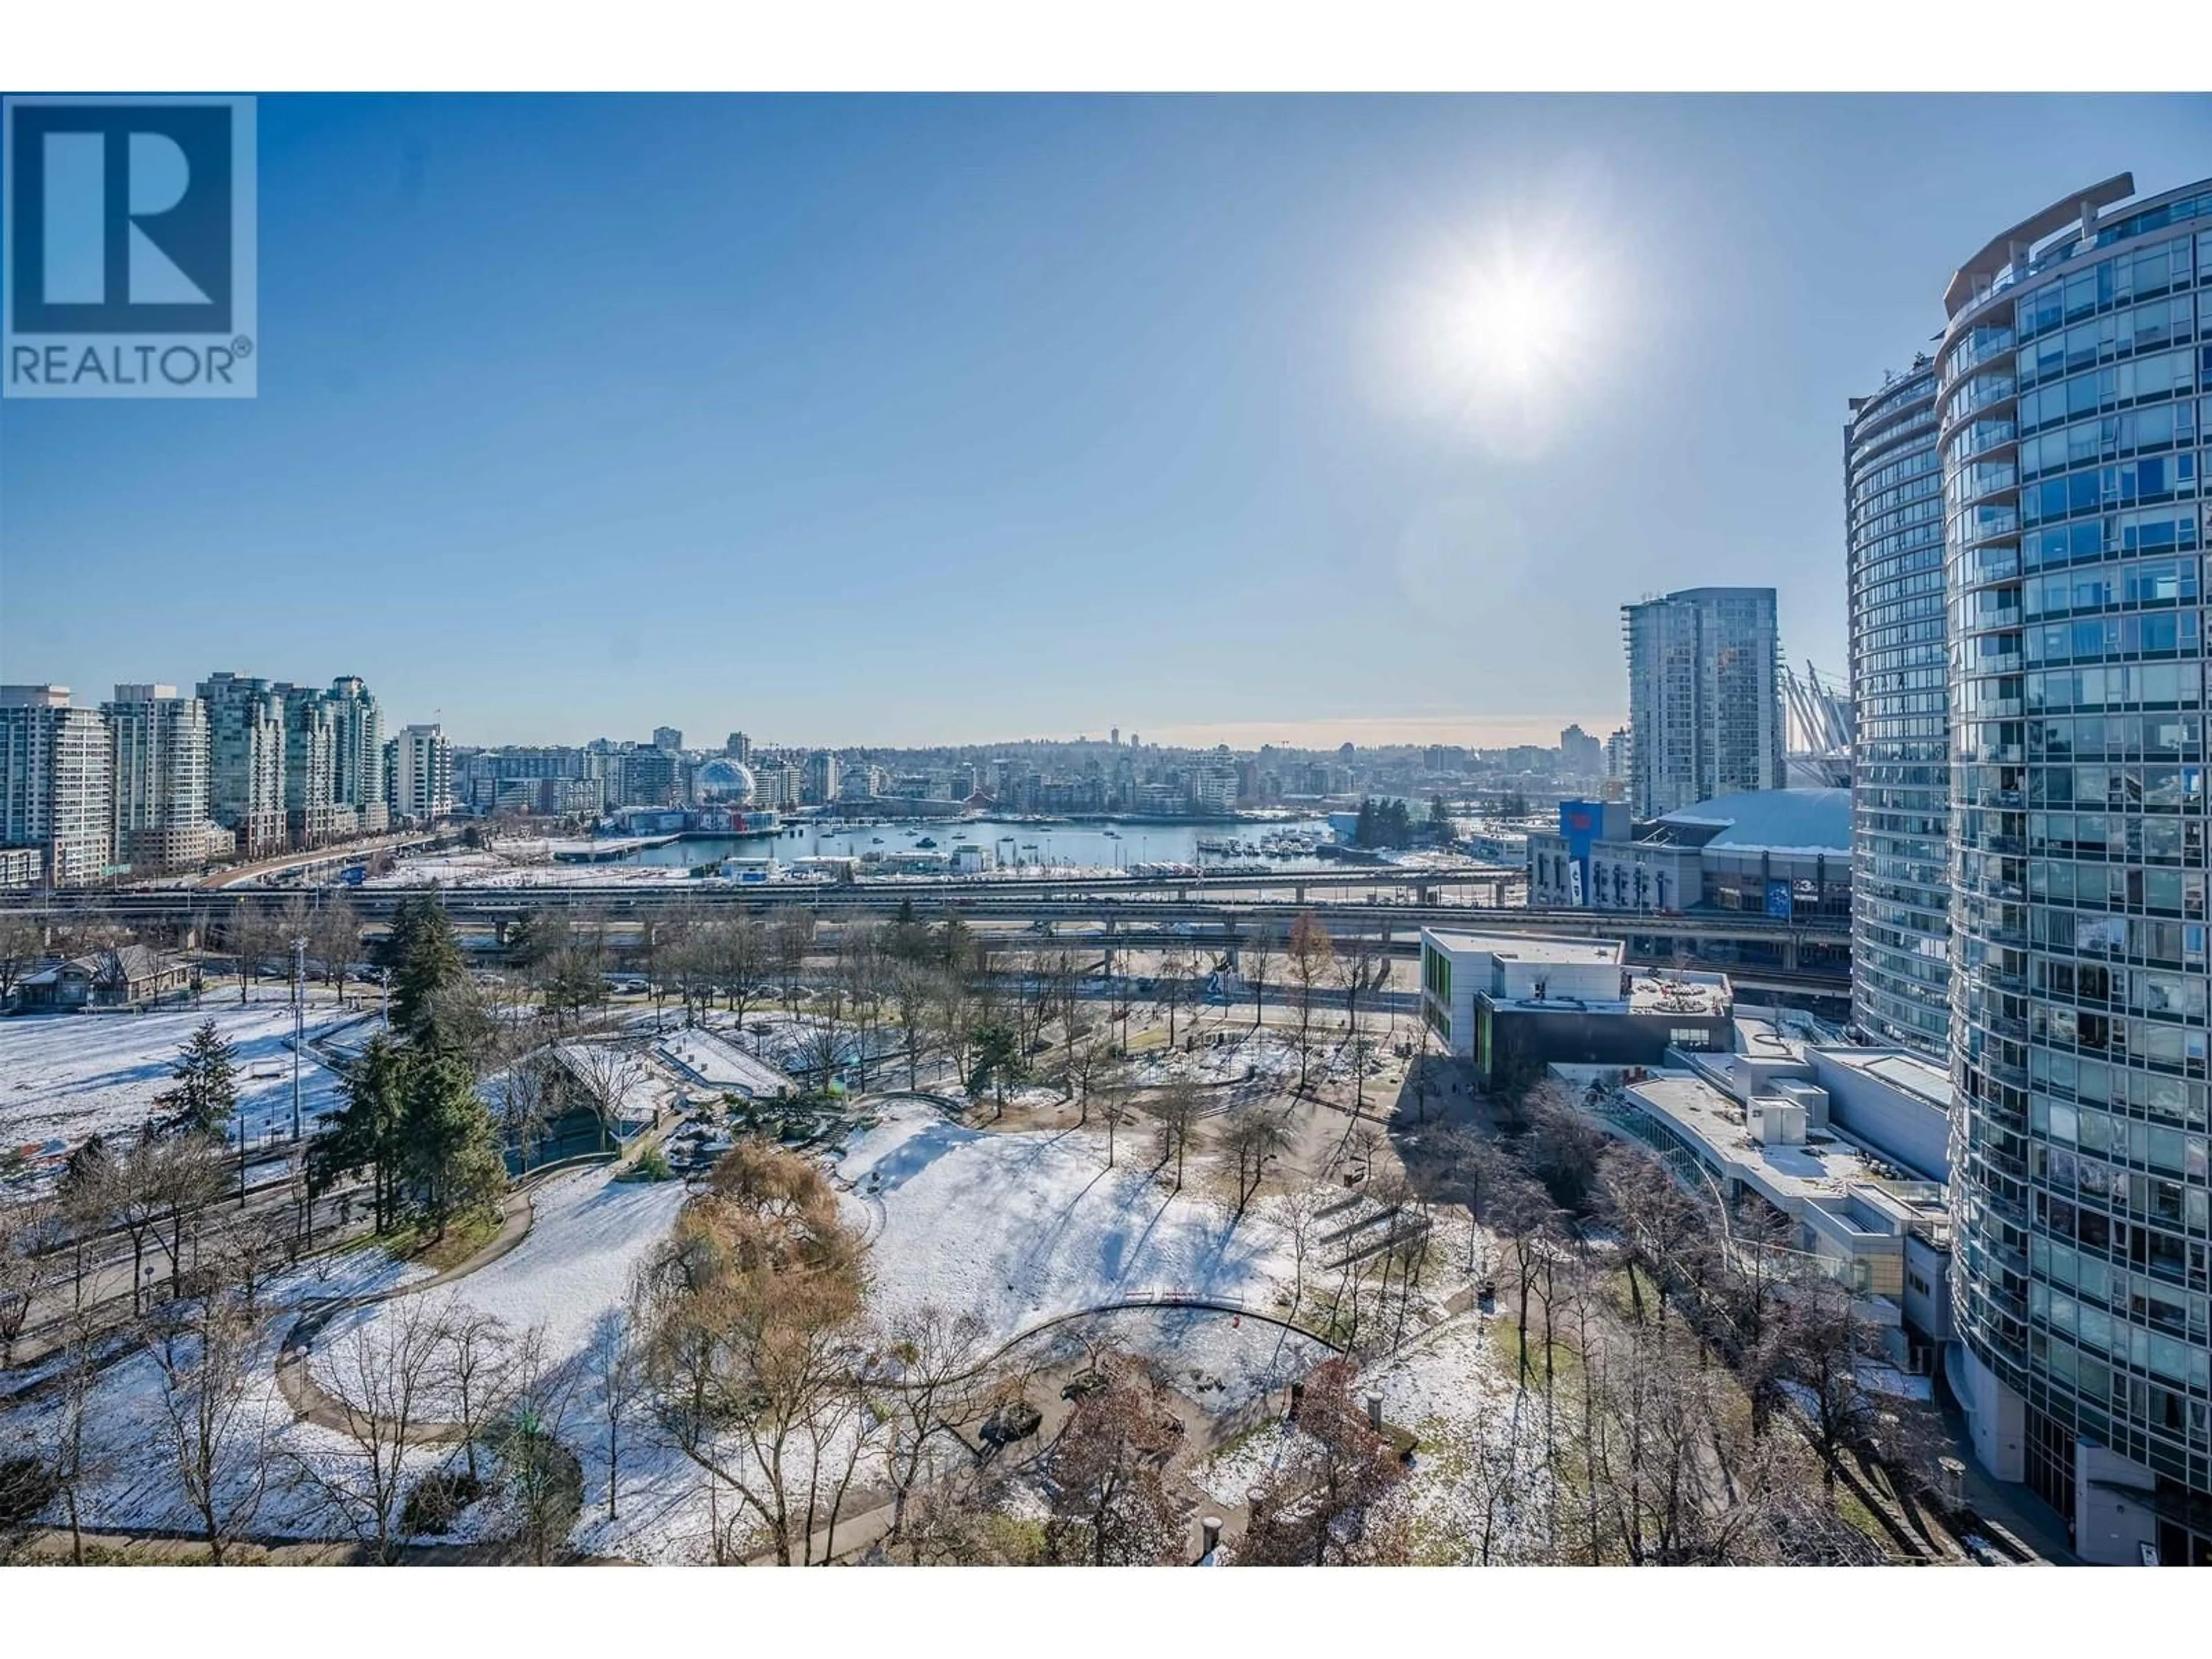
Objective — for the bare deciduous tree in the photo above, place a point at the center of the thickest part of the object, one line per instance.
(617, 1361)
(931, 1381)
(22, 946)
(1260, 951)
(79, 1457)
(608, 1075)
(1255, 1136)
(540, 1479)
(476, 1374)
(1174, 1108)
(790, 937)
(1110, 1504)
(30, 1265)
(1310, 958)
(206, 1357)
(384, 1378)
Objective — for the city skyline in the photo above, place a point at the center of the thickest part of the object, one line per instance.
(1609, 691)
(1161, 367)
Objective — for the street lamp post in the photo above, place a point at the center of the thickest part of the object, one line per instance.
(299, 1023)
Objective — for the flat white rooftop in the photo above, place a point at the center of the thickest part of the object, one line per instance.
(1923, 1079)
(1598, 952)
(1789, 1175)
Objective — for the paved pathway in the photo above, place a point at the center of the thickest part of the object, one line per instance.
(311, 1402)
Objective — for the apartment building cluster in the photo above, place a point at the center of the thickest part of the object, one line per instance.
(156, 779)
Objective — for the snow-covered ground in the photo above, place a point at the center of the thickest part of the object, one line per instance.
(1220, 1360)
(63, 1077)
(489, 869)
(588, 1234)
(134, 1482)
(1020, 1227)
(1479, 1466)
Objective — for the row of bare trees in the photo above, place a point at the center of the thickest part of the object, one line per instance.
(1692, 1389)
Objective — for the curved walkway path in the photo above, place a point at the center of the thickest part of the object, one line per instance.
(311, 1402)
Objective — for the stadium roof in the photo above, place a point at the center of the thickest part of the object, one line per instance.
(1774, 820)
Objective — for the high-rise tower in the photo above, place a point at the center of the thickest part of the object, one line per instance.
(1900, 759)
(2069, 380)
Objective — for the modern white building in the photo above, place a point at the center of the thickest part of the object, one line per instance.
(419, 763)
(1513, 1005)
(776, 783)
(822, 771)
(161, 777)
(1705, 696)
(246, 760)
(1618, 750)
(57, 771)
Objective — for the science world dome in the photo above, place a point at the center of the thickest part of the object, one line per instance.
(725, 781)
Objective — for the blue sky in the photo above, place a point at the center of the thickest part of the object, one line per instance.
(920, 419)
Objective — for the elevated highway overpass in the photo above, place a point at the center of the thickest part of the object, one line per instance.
(1222, 912)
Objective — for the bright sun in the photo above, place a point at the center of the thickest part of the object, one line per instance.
(1515, 329)
(1505, 337)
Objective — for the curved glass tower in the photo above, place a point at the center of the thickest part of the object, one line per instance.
(2069, 383)
(1900, 775)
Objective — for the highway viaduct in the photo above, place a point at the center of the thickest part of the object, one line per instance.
(1221, 914)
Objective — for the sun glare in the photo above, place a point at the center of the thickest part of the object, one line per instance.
(1515, 329)
(1500, 341)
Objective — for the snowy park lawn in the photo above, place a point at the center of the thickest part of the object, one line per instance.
(134, 1482)
(588, 1234)
(1021, 1227)
(63, 1077)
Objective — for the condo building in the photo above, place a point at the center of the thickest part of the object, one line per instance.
(161, 777)
(2070, 382)
(57, 769)
(1705, 696)
(1900, 758)
(246, 760)
(311, 808)
(419, 764)
(357, 754)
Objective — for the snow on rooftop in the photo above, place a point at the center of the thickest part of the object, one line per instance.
(1774, 820)
(718, 1063)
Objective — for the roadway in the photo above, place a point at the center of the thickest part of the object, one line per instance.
(1220, 911)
